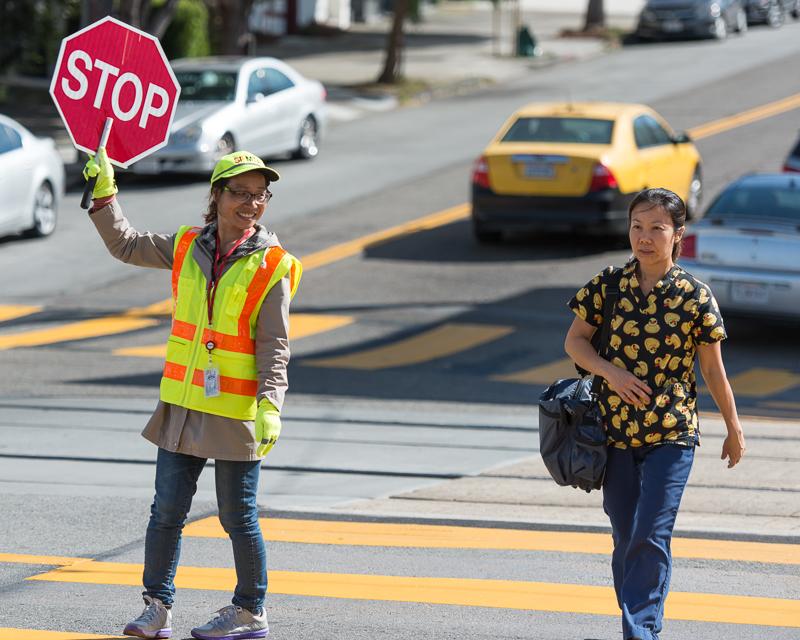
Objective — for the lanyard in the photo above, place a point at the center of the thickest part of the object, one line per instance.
(216, 273)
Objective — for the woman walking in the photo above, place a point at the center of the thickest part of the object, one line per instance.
(663, 320)
(224, 378)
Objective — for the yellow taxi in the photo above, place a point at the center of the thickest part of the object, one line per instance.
(576, 167)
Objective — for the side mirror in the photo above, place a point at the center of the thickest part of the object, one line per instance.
(681, 138)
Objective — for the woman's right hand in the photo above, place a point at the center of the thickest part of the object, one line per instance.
(628, 387)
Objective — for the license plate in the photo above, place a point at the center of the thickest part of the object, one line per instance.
(750, 292)
(672, 26)
(147, 165)
(539, 171)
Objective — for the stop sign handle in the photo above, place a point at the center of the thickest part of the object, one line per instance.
(86, 200)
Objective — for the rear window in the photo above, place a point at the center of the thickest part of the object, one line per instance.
(210, 86)
(761, 202)
(549, 129)
(796, 151)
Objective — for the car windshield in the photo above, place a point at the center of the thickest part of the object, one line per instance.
(767, 202)
(208, 86)
(550, 129)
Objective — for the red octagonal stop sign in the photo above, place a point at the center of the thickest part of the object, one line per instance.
(112, 70)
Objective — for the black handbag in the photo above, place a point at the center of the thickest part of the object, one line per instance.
(572, 436)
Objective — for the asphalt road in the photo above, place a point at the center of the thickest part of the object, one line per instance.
(439, 349)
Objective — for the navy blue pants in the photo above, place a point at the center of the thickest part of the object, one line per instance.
(641, 495)
(237, 488)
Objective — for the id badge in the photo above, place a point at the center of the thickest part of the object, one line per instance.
(211, 382)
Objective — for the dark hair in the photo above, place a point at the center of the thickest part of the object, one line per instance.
(671, 203)
(214, 193)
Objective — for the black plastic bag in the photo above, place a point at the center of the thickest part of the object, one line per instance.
(572, 438)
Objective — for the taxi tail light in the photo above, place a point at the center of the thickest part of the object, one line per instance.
(689, 246)
(602, 178)
(480, 173)
(787, 168)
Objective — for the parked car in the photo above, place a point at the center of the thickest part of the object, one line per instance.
(746, 246)
(771, 12)
(31, 181)
(691, 18)
(577, 166)
(793, 159)
(228, 103)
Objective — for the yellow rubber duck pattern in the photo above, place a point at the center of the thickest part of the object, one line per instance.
(655, 337)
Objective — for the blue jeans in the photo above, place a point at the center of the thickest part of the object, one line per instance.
(641, 495)
(176, 484)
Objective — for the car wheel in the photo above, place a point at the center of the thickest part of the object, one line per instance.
(695, 195)
(775, 15)
(741, 22)
(484, 235)
(45, 212)
(225, 145)
(720, 29)
(308, 140)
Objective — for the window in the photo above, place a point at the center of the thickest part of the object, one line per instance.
(660, 136)
(643, 132)
(553, 129)
(265, 82)
(207, 86)
(9, 139)
(758, 201)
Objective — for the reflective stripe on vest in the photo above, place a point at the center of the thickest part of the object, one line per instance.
(241, 292)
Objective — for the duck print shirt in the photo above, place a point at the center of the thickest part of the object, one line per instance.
(655, 338)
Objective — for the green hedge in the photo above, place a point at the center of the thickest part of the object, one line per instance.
(187, 34)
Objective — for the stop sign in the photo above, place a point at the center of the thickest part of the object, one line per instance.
(112, 70)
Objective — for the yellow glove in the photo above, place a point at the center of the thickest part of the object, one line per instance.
(268, 427)
(100, 166)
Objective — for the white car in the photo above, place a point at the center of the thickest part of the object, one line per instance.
(261, 105)
(746, 247)
(31, 181)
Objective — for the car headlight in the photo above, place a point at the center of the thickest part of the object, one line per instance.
(714, 10)
(188, 134)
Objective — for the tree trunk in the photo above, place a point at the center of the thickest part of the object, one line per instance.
(158, 22)
(393, 61)
(94, 10)
(595, 15)
(228, 26)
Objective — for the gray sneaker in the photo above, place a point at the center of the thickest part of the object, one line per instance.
(233, 623)
(154, 622)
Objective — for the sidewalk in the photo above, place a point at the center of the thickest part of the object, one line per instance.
(454, 49)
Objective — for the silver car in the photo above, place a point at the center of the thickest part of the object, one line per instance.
(228, 103)
(31, 181)
(747, 245)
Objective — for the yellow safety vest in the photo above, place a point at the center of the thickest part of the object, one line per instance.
(240, 294)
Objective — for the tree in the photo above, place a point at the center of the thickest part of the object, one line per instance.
(154, 18)
(393, 60)
(595, 15)
(230, 33)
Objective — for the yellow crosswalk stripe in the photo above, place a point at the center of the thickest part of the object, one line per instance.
(759, 382)
(439, 342)
(12, 311)
(94, 328)
(470, 592)
(542, 374)
(6, 633)
(301, 325)
(379, 534)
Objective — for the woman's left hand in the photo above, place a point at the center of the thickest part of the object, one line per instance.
(733, 448)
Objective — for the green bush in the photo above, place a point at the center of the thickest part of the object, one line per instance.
(187, 34)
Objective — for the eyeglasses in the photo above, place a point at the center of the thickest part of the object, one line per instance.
(244, 197)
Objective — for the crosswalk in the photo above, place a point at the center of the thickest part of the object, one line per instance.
(429, 345)
(498, 594)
